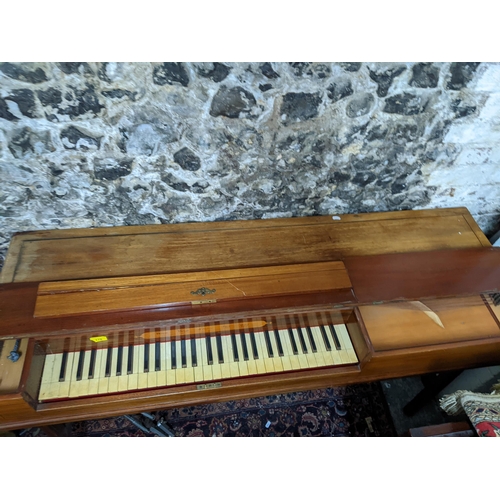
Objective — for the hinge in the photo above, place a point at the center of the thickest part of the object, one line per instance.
(208, 301)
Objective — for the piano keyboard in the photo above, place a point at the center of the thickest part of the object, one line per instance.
(193, 360)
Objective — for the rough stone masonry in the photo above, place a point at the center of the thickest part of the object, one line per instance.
(102, 144)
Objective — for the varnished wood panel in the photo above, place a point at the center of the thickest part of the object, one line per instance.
(10, 373)
(134, 250)
(17, 303)
(90, 296)
(417, 275)
(402, 325)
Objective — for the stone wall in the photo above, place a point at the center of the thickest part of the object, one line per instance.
(100, 144)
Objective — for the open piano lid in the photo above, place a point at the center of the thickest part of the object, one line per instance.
(421, 275)
(28, 308)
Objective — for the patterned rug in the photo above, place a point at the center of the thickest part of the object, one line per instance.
(357, 410)
(483, 410)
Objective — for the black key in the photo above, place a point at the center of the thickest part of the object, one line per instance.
(93, 354)
(253, 343)
(146, 358)
(183, 353)
(208, 341)
(119, 361)
(236, 356)
(335, 338)
(302, 340)
(292, 341)
(194, 357)
(79, 370)
(244, 347)
(220, 354)
(278, 343)
(107, 372)
(157, 356)
(311, 339)
(64, 362)
(173, 355)
(268, 344)
(130, 361)
(325, 338)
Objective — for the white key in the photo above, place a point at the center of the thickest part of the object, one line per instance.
(302, 357)
(292, 359)
(73, 383)
(123, 378)
(142, 378)
(277, 363)
(180, 373)
(133, 378)
(94, 382)
(84, 383)
(267, 362)
(251, 364)
(346, 343)
(47, 376)
(242, 364)
(260, 363)
(327, 354)
(171, 373)
(207, 369)
(189, 370)
(216, 368)
(310, 356)
(337, 356)
(161, 376)
(152, 374)
(319, 354)
(232, 365)
(287, 351)
(228, 357)
(103, 380)
(113, 379)
(64, 387)
(53, 390)
(198, 369)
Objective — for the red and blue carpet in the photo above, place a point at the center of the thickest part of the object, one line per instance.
(357, 410)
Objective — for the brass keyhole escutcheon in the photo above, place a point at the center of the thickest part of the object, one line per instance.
(203, 291)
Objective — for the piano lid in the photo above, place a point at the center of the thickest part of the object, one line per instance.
(30, 308)
(419, 275)
(66, 298)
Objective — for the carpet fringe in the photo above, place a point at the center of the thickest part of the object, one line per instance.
(451, 403)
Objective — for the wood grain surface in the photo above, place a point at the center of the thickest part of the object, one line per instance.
(142, 250)
(60, 287)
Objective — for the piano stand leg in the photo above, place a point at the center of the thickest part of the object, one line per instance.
(150, 425)
(433, 384)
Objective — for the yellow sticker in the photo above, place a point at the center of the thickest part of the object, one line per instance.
(98, 339)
